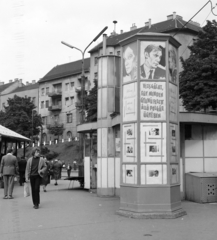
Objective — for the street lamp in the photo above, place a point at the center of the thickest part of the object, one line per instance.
(83, 81)
(32, 124)
(82, 73)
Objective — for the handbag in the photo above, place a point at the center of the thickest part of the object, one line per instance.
(26, 189)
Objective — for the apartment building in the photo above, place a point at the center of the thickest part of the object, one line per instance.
(59, 94)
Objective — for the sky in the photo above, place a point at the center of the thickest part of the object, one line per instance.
(31, 31)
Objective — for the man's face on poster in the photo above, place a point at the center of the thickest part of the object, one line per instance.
(129, 59)
(153, 58)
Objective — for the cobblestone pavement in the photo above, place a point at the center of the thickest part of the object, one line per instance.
(77, 214)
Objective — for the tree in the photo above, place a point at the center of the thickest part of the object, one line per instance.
(56, 129)
(91, 104)
(17, 116)
(198, 80)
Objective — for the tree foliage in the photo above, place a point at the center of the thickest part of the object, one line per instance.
(56, 129)
(17, 116)
(91, 104)
(198, 80)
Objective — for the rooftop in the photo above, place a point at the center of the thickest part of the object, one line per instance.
(65, 70)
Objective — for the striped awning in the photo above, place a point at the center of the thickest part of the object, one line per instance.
(7, 133)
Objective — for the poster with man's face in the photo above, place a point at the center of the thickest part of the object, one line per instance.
(129, 63)
(152, 60)
(172, 63)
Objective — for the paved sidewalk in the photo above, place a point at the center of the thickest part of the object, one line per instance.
(77, 214)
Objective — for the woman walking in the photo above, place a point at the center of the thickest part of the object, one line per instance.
(35, 169)
(57, 168)
(46, 176)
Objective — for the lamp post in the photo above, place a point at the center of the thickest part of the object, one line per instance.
(32, 124)
(83, 80)
(82, 67)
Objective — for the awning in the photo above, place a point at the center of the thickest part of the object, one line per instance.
(7, 133)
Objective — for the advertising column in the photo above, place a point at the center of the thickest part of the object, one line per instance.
(150, 127)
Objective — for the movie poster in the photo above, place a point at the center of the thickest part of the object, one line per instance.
(173, 103)
(173, 143)
(129, 102)
(152, 61)
(129, 142)
(172, 63)
(154, 174)
(153, 101)
(153, 142)
(174, 174)
(129, 174)
(130, 63)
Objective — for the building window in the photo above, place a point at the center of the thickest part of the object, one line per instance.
(33, 100)
(188, 132)
(47, 90)
(56, 118)
(72, 86)
(67, 101)
(96, 75)
(57, 87)
(42, 104)
(44, 138)
(72, 100)
(118, 53)
(69, 135)
(44, 120)
(42, 92)
(67, 86)
(95, 60)
(111, 53)
(47, 104)
(69, 118)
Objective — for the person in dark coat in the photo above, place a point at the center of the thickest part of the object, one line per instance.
(56, 169)
(22, 168)
(69, 169)
(35, 169)
(8, 169)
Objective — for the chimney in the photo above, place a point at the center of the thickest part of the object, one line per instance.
(27, 83)
(33, 81)
(174, 15)
(104, 44)
(10, 81)
(133, 27)
(149, 23)
(121, 31)
(115, 26)
(1, 83)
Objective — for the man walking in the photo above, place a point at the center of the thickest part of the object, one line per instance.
(8, 169)
(35, 169)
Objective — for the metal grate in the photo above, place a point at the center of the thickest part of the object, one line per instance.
(211, 189)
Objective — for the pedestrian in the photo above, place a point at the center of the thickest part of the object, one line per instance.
(22, 168)
(69, 169)
(8, 169)
(46, 176)
(35, 169)
(56, 169)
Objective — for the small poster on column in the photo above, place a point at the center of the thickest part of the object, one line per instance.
(130, 174)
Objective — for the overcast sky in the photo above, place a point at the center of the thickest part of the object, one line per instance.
(31, 31)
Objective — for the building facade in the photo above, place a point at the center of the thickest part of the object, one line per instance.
(59, 98)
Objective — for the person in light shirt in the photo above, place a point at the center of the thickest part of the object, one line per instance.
(151, 69)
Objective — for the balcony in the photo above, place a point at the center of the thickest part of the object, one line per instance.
(55, 93)
(55, 108)
(54, 125)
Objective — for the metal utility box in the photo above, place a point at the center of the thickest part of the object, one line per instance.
(201, 187)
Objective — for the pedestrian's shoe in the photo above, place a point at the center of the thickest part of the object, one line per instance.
(55, 184)
(5, 197)
(45, 190)
(10, 197)
(36, 207)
